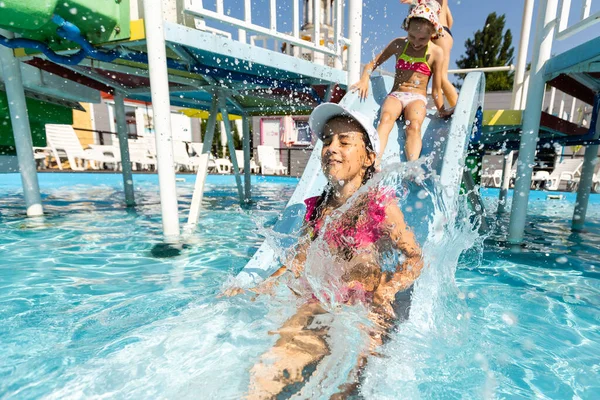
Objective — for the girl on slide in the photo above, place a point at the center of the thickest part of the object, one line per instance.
(445, 42)
(356, 238)
(417, 60)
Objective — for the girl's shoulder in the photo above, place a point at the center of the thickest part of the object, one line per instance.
(435, 51)
(398, 43)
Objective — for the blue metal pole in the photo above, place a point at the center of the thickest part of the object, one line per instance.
(585, 186)
(531, 118)
(21, 131)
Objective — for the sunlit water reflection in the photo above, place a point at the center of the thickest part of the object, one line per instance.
(85, 310)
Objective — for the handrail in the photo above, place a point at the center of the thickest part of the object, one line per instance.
(196, 8)
(482, 69)
(586, 20)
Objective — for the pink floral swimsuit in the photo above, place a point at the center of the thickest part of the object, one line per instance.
(342, 233)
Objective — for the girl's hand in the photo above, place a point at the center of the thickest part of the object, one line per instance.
(362, 87)
(446, 112)
(230, 292)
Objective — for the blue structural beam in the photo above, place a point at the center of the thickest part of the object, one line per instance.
(226, 54)
(578, 59)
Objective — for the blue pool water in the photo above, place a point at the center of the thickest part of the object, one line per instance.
(86, 311)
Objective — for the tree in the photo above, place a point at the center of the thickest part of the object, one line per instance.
(490, 47)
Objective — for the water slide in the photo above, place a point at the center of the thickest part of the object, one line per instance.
(444, 143)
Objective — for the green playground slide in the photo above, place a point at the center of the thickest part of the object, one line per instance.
(100, 21)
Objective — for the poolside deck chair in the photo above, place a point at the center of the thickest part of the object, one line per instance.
(223, 165)
(140, 153)
(491, 170)
(182, 158)
(567, 170)
(595, 179)
(64, 143)
(239, 154)
(269, 161)
(197, 149)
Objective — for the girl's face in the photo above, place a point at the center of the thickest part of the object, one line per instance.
(419, 34)
(344, 157)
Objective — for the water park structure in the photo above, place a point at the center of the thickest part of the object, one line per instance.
(167, 53)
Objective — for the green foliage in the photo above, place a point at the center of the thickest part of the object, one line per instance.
(490, 47)
(216, 148)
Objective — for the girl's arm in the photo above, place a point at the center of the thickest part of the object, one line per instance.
(449, 18)
(409, 271)
(296, 267)
(436, 87)
(363, 84)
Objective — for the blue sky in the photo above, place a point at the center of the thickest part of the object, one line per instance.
(382, 20)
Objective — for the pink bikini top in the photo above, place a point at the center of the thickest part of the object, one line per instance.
(415, 64)
(346, 233)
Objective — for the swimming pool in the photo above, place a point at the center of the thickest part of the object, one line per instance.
(86, 311)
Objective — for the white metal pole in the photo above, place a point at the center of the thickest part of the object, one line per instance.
(561, 108)
(338, 6)
(246, 144)
(525, 91)
(161, 106)
(124, 148)
(585, 186)
(355, 35)
(203, 167)
(232, 155)
(19, 118)
(522, 55)
(572, 115)
(552, 99)
(531, 118)
(296, 26)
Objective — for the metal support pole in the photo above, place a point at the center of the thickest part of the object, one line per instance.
(552, 99)
(572, 114)
(124, 148)
(355, 35)
(505, 183)
(585, 186)
(203, 168)
(531, 118)
(232, 155)
(246, 143)
(161, 106)
(522, 56)
(19, 118)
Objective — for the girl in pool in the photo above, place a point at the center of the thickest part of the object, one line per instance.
(445, 42)
(356, 238)
(417, 59)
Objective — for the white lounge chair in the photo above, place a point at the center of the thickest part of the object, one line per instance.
(269, 161)
(490, 173)
(239, 154)
(64, 143)
(183, 159)
(140, 152)
(595, 178)
(197, 148)
(567, 170)
(223, 165)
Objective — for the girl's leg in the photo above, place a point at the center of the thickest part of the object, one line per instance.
(414, 114)
(390, 112)
(448, 88)
(298, 349)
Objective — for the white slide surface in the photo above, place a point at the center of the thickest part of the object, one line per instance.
(444, 141)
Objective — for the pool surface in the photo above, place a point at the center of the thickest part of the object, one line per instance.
(87, 311)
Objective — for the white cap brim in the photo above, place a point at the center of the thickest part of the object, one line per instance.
(326, 111)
